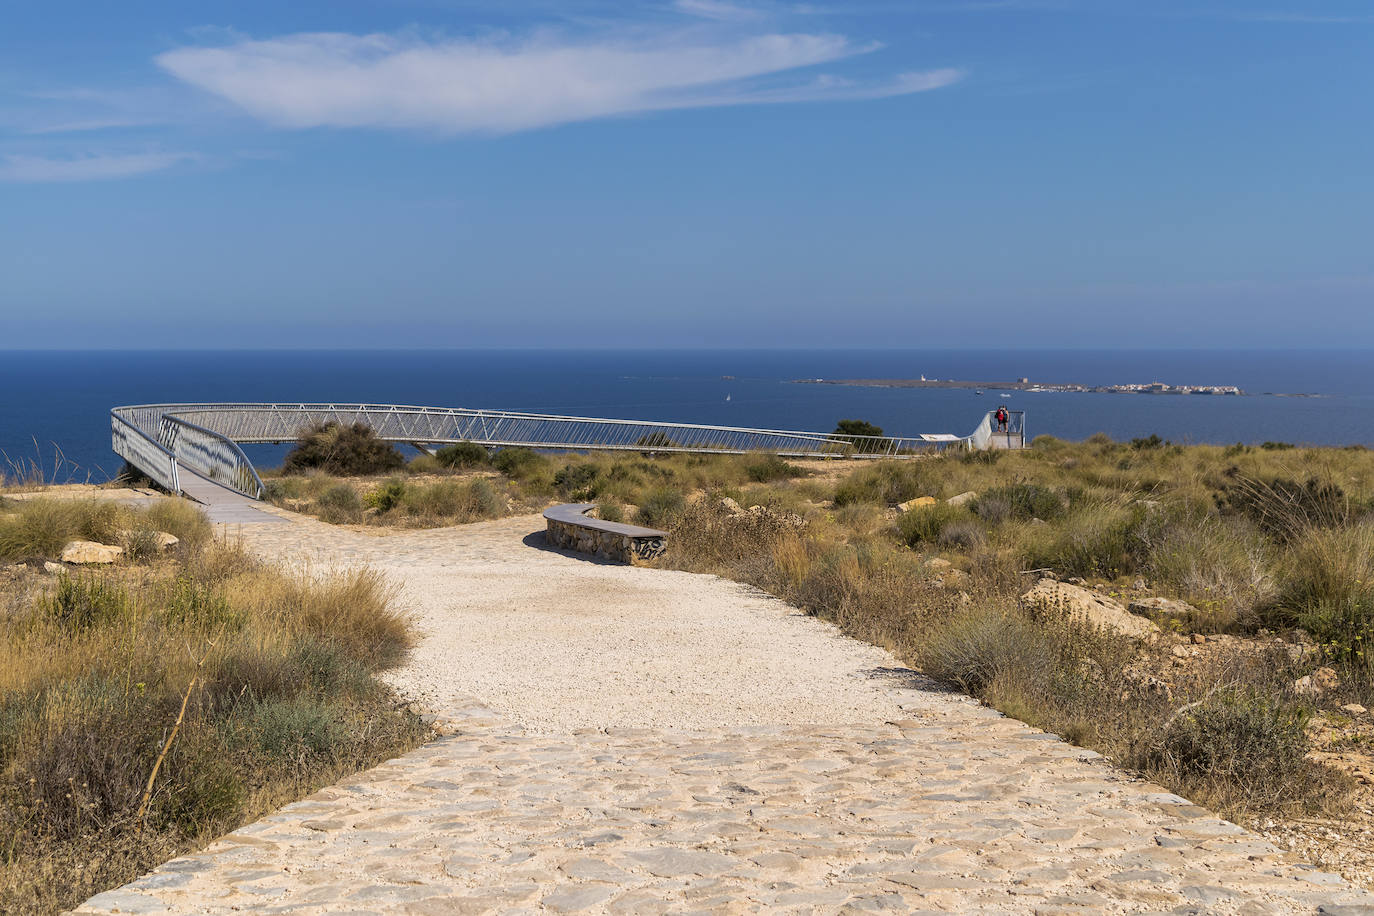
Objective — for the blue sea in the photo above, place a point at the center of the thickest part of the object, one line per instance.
(57, 402)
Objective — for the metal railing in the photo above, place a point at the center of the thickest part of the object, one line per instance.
(206, 437)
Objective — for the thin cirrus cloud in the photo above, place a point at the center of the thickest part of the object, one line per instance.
(469, 86)
(93, 167)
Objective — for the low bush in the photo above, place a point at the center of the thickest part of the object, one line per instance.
(661, 507)
(924, 524)
(1243, 748)
(884, 483)
(463, 455)
(343, 450)
(578, 482)
(1328, 590)
(863, 436)
(387, 496)
(1022, 501)
(340, 505)
(519, 463)
(768, 468)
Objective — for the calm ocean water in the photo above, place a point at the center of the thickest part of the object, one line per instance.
(61, 400)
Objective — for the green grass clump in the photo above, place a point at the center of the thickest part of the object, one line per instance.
(770, 468)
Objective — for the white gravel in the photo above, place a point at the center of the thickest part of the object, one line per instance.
(559, 642)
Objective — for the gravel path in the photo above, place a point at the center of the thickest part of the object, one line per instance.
(630, 740)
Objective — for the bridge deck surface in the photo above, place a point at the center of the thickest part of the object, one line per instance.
(222, 504)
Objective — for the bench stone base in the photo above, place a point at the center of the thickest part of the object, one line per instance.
(570, 530)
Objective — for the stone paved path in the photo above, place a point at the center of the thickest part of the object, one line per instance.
(931, 803)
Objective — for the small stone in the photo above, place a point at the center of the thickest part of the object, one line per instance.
(51, 567)
(1199, 639)
(165, 540)
(731, 506)
(1354, 709)
(962, 498)
(89, 552)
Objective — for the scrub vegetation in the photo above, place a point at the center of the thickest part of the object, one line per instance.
(150, 705)
(1270, 550)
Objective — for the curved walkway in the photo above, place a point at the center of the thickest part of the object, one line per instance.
(631, 740)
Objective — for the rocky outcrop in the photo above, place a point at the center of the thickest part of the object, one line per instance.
(1049, 597)
(89, 552)
(963, 499)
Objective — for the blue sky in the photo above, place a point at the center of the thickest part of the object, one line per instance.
(440, 173)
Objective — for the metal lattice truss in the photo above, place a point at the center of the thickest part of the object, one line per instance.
(156, 438)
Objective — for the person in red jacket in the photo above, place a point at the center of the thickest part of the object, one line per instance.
(1001, 417)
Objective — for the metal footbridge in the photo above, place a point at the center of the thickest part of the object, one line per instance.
(166, 441)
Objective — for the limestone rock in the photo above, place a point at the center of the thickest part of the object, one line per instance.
(51, 567)
(963, 498)
(1354, 709)
(731, 506)
(165, 540)
(916, 503)
(1051, 597)
(1160, 607)
(86, 552)
(1317, 683)
(938, 564)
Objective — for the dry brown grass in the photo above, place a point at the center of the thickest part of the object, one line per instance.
(275, 671)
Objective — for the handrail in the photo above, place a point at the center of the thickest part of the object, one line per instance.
(206, 437)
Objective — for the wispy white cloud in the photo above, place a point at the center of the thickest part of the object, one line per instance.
(91, 167)
(719, 10)
(504, 85)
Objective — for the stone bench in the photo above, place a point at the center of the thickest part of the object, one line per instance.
(571, 529)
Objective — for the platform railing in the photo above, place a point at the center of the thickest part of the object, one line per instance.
(206, 437)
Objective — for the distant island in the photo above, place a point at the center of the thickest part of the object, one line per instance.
(1024, 384)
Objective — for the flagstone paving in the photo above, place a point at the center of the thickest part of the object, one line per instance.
(903, 798)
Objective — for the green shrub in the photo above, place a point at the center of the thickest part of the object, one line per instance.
(1328, 589)
(1022, 501)
(610, 511)
(1094, 541)
(387, 496)
(463, 455)
(342, 450)
(518, 462)
(973, 650)
(865, 437)
(577, 481)
(768, 468)
(1285, 508)
(82, 602)
(962, 534)
(884, 483)
(661, 507)
(924, 524)
(1153, 442)
(1243, 740)
(289, 728)
(340, 504)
